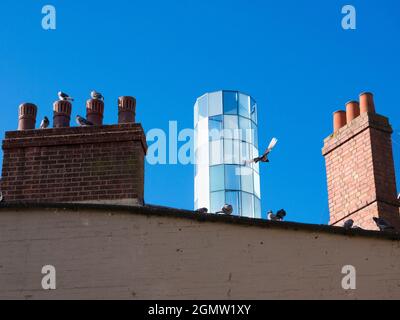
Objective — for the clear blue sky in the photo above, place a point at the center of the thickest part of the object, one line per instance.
(292, 56)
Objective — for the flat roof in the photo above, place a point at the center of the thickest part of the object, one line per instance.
(152, 210)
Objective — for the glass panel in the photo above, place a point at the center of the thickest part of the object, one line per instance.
(257, 208)
(203, 112)
(217, 201)
(215, 104)
(230, 102)
(244, 152)
(247, 179)
(244, 105)
(217, 178)
(215, 126)
(233, 198)
(232, 177)
(247, 205)
(253, 111)
(245, 130)
(231, 151)
(196, 113)
(216, 152)
(257, 190)
(254, 133)
(231, 127)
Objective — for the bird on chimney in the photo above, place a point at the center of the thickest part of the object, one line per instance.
(226, 209)
(45, 123)
(82, 122)
(279, 216)
(264, 157)
(383, 225)
(96, 95)
(202, 210)
(64, 97)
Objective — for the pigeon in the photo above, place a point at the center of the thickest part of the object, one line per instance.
(279, 216)
(264, 157)
(96, 95)
(1, 196)
(202, 210)
(45, 123)
(83, 122)
(383, 225)
(226, 209)
(348, 224)
(64, 97)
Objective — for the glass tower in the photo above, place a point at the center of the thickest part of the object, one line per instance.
(225, 138)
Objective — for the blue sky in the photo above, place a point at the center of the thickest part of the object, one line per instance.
(292, 56)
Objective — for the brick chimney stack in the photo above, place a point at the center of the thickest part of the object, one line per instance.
(360, 167)
(126, 109)
(62, 114)
(95, 111)
(27, 116)
(93, 164)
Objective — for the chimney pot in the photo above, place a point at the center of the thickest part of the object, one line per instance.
(95, 111)
(27, 116)
(352, 110)
(126, 109)
(339, 120)
(367, 102)
(62, 114)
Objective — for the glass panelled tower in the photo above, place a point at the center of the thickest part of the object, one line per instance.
(225, 139)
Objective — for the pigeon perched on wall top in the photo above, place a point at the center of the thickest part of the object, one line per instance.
(64, 97)
(226, 209)
(83, 122)
(96, 95)
(279, 216)
(45, 123)
(348, 224)
(383, 225)
(264, 157)
(202, 210)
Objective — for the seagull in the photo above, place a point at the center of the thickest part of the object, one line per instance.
(264, 157)
(383, 225)
(83, 122)
(64, 97)
(202, 210)
(226, 209)
(348, 224)
(96, 95)
(279, 216)
(45, 123)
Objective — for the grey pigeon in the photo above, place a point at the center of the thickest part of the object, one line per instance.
(202, 210)
(96, 95)
(348, 224)
(83, 122)
(226, 209)
(279, 216)
(45, 123)
(383, 225)
(64, 97)
(264, 156)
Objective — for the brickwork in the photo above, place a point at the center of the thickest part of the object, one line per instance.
(360, 172)
(80, 164)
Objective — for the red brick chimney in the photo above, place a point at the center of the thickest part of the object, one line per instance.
(93, 164)
(126, 109)
(27, 116)
(95, 111)
(360, 167)
(62, 114)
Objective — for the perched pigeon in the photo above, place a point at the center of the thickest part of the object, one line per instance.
(264, 157)
(1, 196)
(96, 95)
(279, 216)
(226, 209)
(383, 225)
(202, 210)
(348, 224)
(45, 123)
(83, 122)
(64, 97)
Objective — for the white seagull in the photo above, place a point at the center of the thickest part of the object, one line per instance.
(83, 122)
(96, 95)
(64, 97)
(45, 123)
